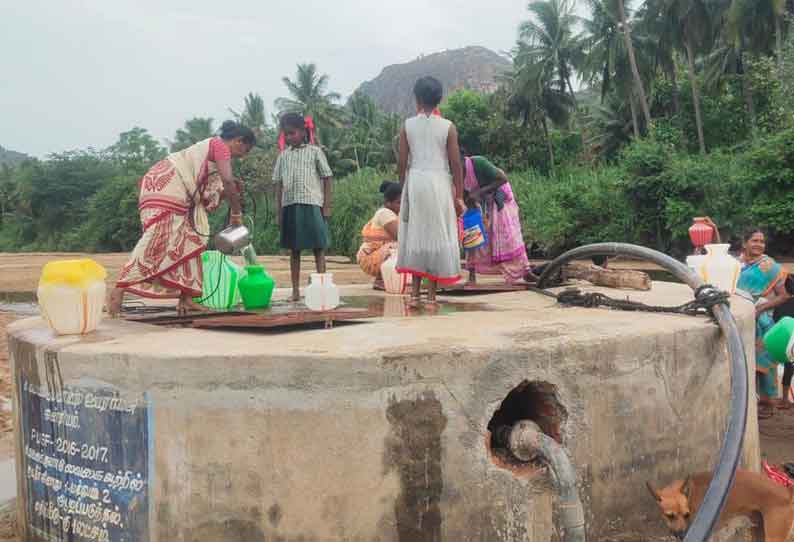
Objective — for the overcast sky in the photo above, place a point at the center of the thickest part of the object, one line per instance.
(76, 73)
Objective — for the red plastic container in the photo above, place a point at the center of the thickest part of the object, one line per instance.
(700, 233)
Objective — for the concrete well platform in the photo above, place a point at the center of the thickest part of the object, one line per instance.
(366, 432)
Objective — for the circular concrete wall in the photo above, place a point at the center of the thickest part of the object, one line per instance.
(376, 431)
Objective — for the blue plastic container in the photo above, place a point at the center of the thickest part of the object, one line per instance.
(474, 235)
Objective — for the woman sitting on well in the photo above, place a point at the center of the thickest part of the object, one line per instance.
(380, 234)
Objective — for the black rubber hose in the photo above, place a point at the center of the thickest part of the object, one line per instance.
(526, 441)
(730, 454)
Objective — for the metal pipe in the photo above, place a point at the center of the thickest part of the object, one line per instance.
(730, 454)
(526, 441)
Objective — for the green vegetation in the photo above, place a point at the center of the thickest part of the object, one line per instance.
(687, 108)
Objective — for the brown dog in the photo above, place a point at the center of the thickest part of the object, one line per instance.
(751, 492)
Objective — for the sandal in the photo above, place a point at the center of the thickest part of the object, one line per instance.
(765, 412)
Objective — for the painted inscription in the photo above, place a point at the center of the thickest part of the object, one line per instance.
(86, 464)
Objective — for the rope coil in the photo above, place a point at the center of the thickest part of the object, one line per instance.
(706, 298)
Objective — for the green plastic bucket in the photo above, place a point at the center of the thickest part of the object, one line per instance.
(777, 340)
(214, 294)
(256, 287)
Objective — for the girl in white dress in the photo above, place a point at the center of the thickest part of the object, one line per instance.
(432, 194)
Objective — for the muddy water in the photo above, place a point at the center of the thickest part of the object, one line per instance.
(391, 306)
(24, 304)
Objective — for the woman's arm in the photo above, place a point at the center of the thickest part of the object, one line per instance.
(453, 153)
(781, 296)
(392, 228)
(714, 227)
(230, 190)
(496, 184)
(402, 161)
(326, 197)
(278, 204)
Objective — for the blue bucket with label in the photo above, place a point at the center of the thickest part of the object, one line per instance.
(474, 235)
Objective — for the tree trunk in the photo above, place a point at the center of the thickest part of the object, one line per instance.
(674, 82)
(779, 45)
(695, 94)
(549, 145)
(634, 122)
(611, 278)
(747, 91)
(633, 61)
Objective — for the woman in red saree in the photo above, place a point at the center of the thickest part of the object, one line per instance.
(175, 196)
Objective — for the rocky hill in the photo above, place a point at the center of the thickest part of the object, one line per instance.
(11, 157)
(472, 67)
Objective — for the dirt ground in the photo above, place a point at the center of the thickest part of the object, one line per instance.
(20, 273)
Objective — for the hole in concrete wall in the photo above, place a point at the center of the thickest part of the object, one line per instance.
(537, 401)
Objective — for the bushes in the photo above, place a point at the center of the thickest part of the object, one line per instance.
(574, 207)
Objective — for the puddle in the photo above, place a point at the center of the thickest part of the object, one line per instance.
(19, 303)
(391, 306)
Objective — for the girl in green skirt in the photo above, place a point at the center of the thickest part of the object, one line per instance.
(303, 195)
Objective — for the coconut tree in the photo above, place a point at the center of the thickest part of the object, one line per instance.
(309, 96)
(549, 43)
(639, 88)
(537, 95)
(688, 23)
(195, 130)
(253, 115)
(611, 123)
(606, 61)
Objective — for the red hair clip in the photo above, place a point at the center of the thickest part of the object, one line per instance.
(308, 123)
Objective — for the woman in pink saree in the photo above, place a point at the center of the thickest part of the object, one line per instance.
(505, 253)
(175, 196)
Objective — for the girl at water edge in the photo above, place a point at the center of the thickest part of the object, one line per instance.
(303, 195)
(432, 194)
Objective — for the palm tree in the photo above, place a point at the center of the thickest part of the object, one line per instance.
(734, 32)
(655, 27)
(633, 62)
(309, 96)
(611, 124)
(536, 96)
(195, 130)
(759, 21)
(548, 42)
(253, 115)
(607, 61)
(689, 25)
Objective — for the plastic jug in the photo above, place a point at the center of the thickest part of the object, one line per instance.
(474, 235)
(322, 294)
(694, 262)
(700, 233)
(720, 269)
(219, 281)
(256, 287)
(779, 340)
(394, 282)
(71, 295)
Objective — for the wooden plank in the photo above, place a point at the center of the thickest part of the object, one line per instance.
(283, 319)
(171, 317)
